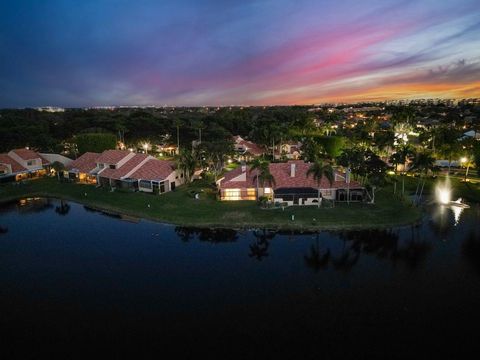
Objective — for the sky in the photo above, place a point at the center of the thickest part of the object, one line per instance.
(77, 53)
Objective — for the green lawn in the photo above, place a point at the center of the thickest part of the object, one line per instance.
(469, 191)
(180, 207)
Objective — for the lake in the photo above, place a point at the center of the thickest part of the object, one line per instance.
(72, 277)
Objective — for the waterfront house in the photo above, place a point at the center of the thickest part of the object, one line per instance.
(121, 169)
(21, 164)
(292, 186)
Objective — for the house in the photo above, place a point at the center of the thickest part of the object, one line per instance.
(245, 149)
(292, 186)
(290, 150)
(21, 164)
(472, 134)
(121, 169)
(82, 169)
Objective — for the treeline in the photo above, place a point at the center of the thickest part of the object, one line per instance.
(48, 131)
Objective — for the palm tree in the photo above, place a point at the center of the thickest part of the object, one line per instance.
(199, 125)
(257, 164)
(423, 162)
(404, 152)
(319, 170)
(264, 176)
(58, 167)
(186, 163)
(178, 122)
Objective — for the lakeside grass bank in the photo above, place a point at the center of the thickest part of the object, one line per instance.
(181, 208)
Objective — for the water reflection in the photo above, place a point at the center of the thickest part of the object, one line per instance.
(63, 209)
(444, 218)
(383, 244)
(261, 243)
(471, 249)
(317, 258)
(206, 234)
(335, 250)
(35, 204)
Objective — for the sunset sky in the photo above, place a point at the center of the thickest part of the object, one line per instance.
(229, 52)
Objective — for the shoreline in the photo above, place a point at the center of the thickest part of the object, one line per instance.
(288, 226)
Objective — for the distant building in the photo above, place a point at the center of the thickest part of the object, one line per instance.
(21, 164)
(245, 149)
(290, 150)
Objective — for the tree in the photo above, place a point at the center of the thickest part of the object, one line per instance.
(423, 162)
(319, 170)
(332, 145)
(178, 122)
(199, 125)
(257, 165)
(58, 166)
(404, 153)
(95, 142)
(215, 153)
(264, 176)
(186, 162)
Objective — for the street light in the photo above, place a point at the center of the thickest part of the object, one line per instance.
(464, 160)
(146, 145)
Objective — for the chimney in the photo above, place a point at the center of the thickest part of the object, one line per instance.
(292, 170)
(244, 167)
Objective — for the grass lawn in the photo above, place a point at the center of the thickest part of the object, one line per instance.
(469, 191)
(180, 207)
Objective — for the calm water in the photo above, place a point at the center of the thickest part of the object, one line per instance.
(71, 277)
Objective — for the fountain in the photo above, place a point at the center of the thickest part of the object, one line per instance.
(443, 194)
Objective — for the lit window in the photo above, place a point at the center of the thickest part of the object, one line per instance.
(268, 191)
(232, 194)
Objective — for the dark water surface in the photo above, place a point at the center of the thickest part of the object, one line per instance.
(71, 277)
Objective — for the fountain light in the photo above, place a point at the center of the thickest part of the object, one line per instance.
(444, 196)
(443, 192)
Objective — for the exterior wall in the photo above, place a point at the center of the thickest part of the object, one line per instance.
(176, 178)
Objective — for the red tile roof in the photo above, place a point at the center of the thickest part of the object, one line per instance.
(154, 170)
(112, 157)
(251, 147)
(117, 174)
(27, 154)
(16, 167)
(250, 182)
(85, 163)
(281, 173)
